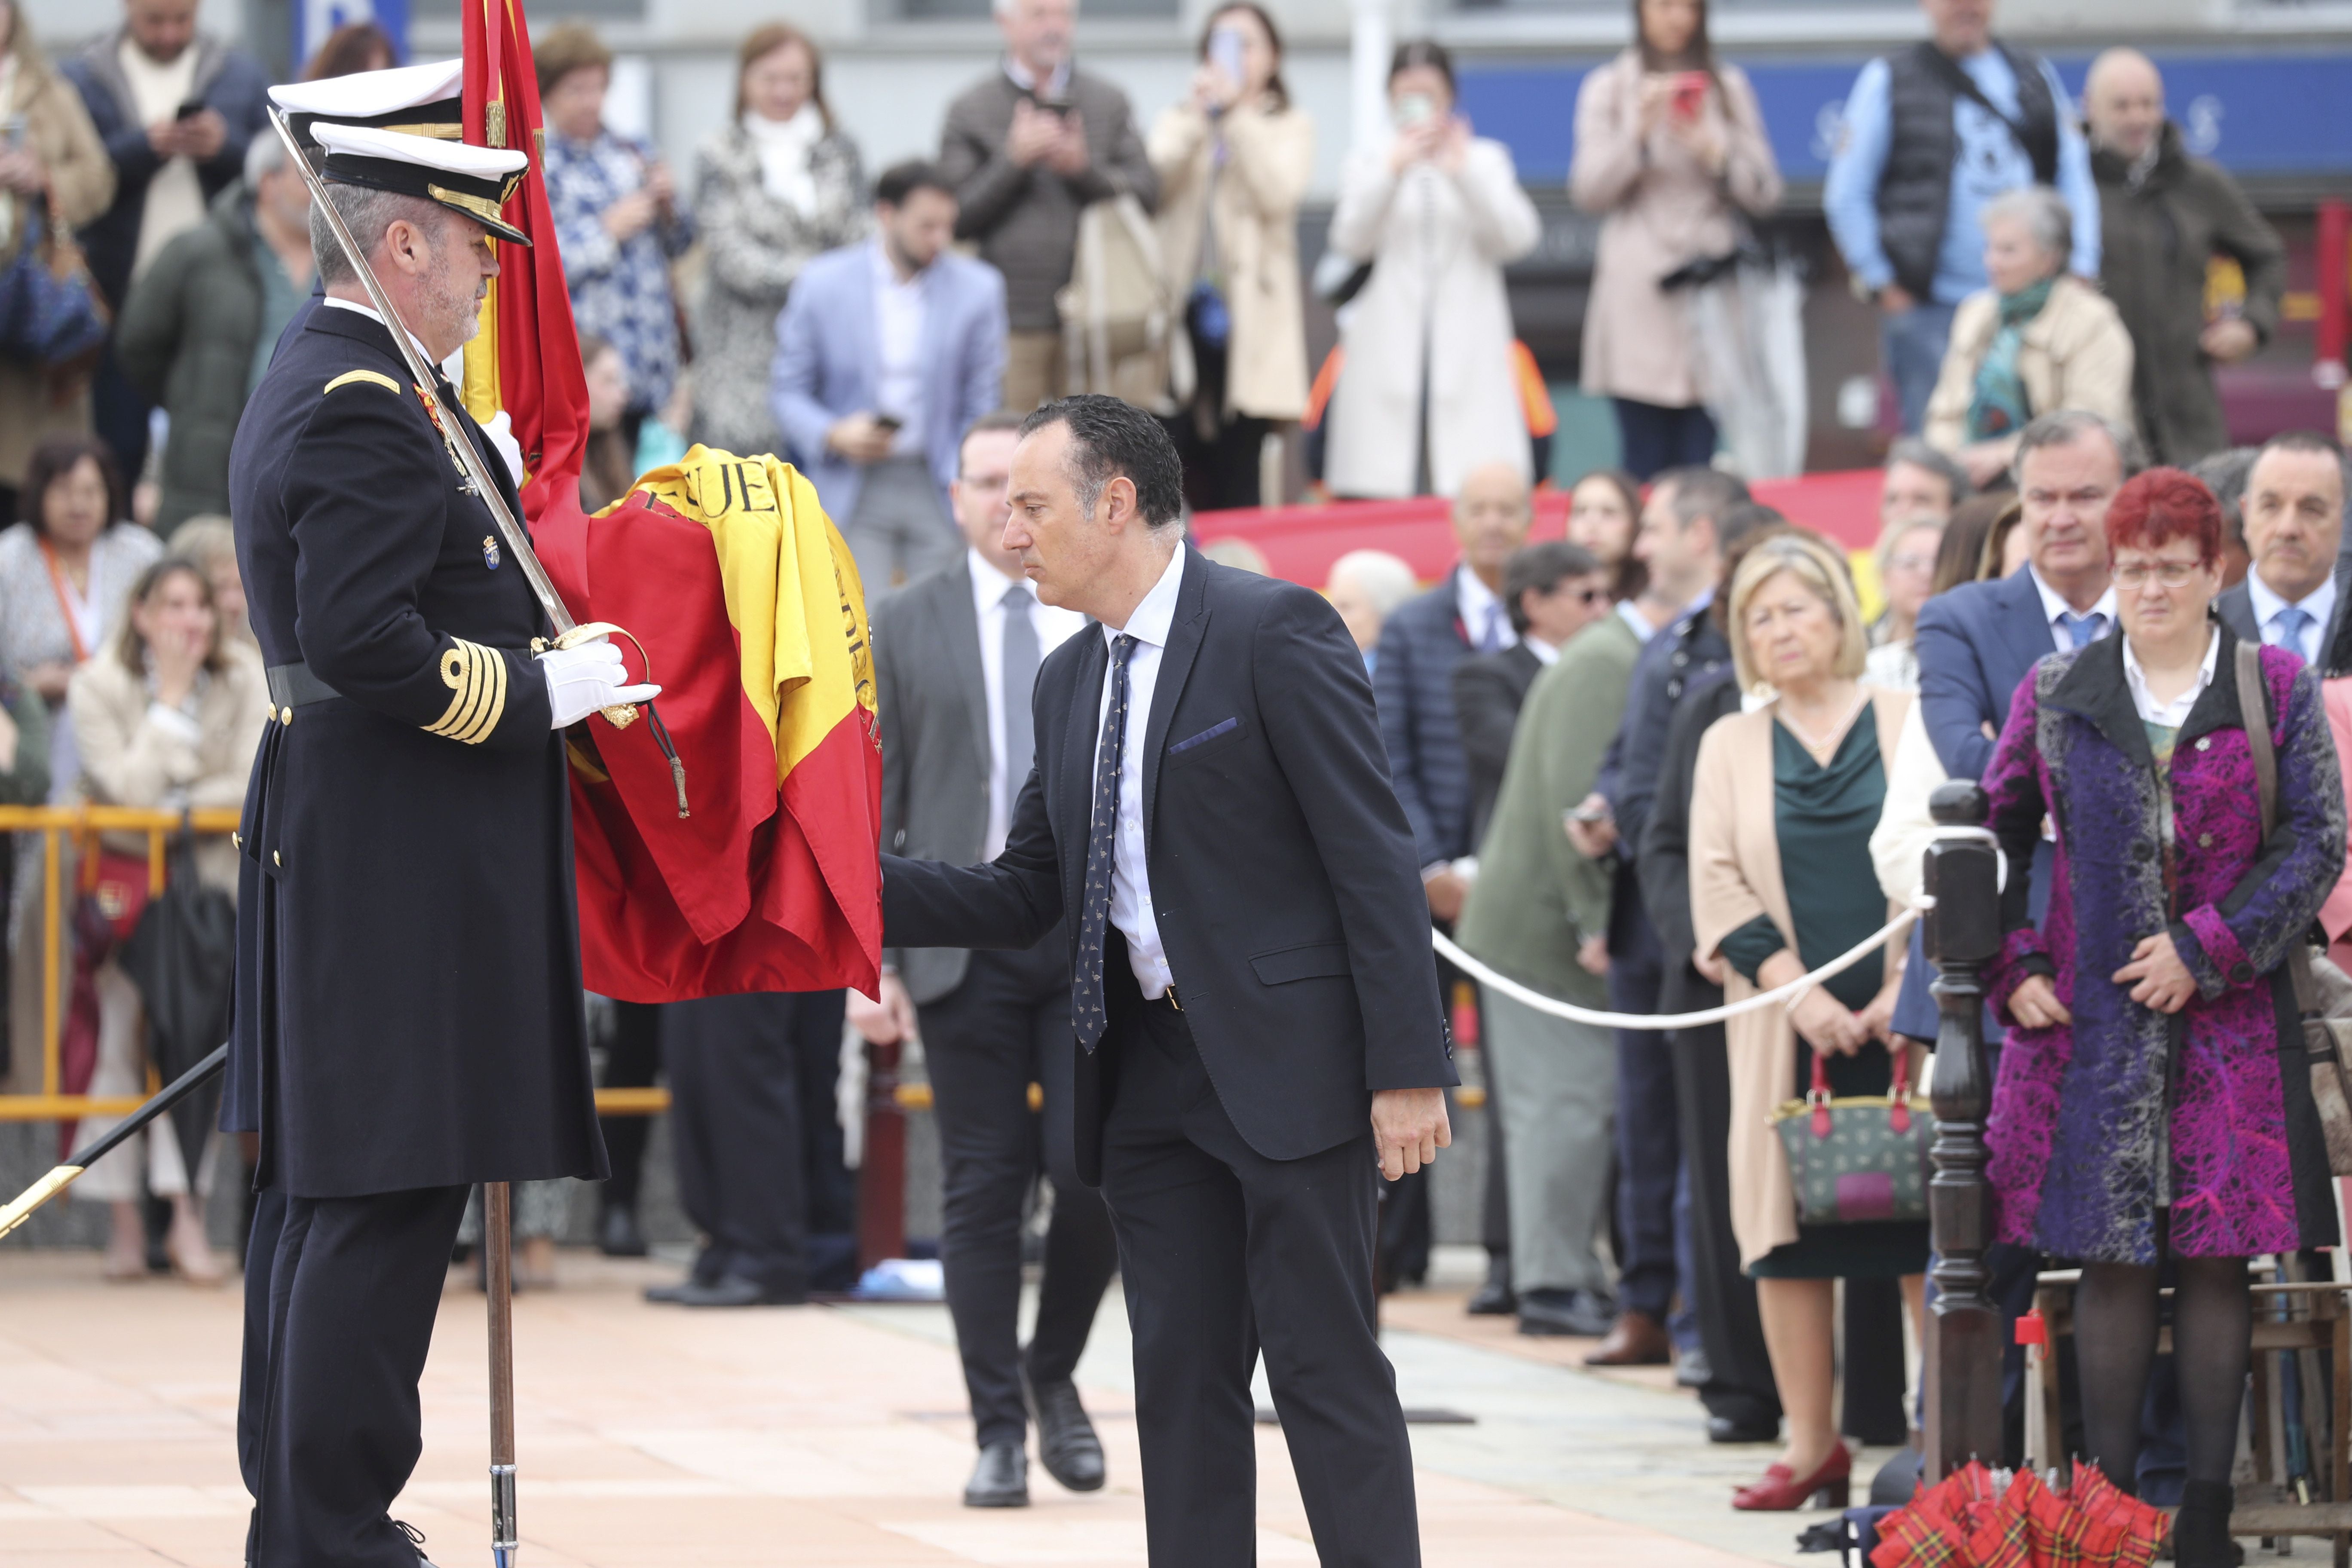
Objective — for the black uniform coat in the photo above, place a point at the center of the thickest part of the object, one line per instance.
(408, 951)
(1283, 873)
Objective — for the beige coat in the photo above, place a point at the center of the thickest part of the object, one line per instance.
(129, 758)
(1735, 872)
(2076, 355)
(1661, 207)
(81, 176)
(1438, 243)
(1268, 161)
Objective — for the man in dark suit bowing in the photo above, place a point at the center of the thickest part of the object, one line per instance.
(1256, 1019)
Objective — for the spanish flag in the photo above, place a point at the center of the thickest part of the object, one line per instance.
(750, 617)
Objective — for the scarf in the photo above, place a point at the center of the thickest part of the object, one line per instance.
(785, 147)
(1999, 407)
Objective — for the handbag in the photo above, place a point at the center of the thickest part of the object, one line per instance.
(50, 310)
(112, 896)
(1860, 1158)
(2325, 1010)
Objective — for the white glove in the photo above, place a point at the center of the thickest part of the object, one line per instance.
(501, 430)
(581, 679)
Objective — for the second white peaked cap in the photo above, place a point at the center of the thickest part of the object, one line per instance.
(365, 96)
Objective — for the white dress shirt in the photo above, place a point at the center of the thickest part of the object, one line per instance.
(1130, 877)
(1479, 606)
(901, 306)
(2175, 713)
(2319, 605)
(423, 353)
(1545, 653)
(1053, 627)
(1635, 621)
(2054, 607)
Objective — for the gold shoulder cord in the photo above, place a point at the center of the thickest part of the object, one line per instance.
(372, 377)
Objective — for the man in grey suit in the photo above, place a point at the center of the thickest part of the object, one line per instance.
(885, 352)
(955, 657)
(2294, 596)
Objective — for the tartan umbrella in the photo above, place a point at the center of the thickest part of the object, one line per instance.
(1972, 1520)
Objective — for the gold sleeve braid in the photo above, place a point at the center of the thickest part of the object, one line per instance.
(476, 678)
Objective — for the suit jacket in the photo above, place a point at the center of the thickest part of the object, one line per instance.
(1413, 678)
(1688, 650)
(1487, 691)
(1975, 644)
(2235, 606)
(1664, 863)
(935, 744)
(827, 359)
(1282, 871)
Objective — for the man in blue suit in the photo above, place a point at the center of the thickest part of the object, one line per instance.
(886, 353)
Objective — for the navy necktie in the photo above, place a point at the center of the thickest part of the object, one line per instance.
(1086, 1009)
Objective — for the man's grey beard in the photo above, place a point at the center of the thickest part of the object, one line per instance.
(449, 300)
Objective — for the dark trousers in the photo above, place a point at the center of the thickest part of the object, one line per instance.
(747, 1086)
(630, 1062)
(1495, 1209)
(1649, 1142)
(1740, 1386)
(352, 1293)
(1225, 1253)
(1655, 438)
(1005, 1026)
(268, 1222)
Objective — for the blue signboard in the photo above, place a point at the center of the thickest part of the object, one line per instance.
(2254, 114)
(314, 19)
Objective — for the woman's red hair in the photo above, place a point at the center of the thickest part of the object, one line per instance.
(2161, 505)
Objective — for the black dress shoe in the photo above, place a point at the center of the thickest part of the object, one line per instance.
(617, 1235)
(1495, 1298)
(999, 1479)
(1725, 1429)
(1692, 1369)
(727, 1291)
(1584, 1314)
(1066, 1444)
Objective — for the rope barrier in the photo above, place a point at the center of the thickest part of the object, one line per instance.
(1784, 995)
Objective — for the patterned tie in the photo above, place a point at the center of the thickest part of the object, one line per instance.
(2084, 630)
(2287, 628)
(1086, 1012)
(1019, 678)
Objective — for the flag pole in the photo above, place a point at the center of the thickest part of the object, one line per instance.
(498, 1279)
(63, 1175)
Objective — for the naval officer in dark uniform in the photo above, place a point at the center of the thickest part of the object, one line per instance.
(408, 972)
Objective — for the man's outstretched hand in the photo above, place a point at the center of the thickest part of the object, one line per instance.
(1409, 1127)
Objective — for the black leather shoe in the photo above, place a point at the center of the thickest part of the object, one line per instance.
(1495, 1298)
(617, 1235)
(415, 1539)
(1692, 1369)
(729, 1291)
(999, 1479)
(671, 1295)
(1584, 1314)
(1724, 1429)
(1066, 1444)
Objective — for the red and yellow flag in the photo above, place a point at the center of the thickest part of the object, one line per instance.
(750, 616)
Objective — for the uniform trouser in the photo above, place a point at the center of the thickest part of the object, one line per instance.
(740, 1125)
(1739, 1385)
(1563, 1081)
(1649, 1152)
(632, 1062)
(1004, 1027)
(1225, 1253)
(354, 1289)
(253, 1372)
(899, 530)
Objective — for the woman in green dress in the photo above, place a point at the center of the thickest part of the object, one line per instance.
(1781, 882)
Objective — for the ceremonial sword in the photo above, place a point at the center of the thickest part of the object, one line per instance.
(63, 1173)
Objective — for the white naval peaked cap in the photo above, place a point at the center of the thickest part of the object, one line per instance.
(474, 181)
(365, 96)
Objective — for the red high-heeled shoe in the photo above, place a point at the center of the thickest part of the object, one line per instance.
(1780, 1493)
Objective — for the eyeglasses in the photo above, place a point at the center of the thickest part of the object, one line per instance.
(2171, 574)
(1910, 563)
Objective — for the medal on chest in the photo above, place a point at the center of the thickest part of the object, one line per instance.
(490, 552)
(466, 485)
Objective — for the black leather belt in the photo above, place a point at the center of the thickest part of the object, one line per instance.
(292, 686)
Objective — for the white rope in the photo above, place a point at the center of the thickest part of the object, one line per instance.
(1784, 995)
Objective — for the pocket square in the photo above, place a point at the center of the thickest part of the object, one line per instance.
(1211, 733)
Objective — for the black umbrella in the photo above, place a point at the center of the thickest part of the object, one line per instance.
(182, 958)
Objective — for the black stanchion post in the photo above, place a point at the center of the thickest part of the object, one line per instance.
(1964, 1341)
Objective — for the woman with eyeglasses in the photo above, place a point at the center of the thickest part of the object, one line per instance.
(2152, 1103)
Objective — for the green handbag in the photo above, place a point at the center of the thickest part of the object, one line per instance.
(1864, 1158)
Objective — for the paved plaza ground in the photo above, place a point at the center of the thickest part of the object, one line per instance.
(813, 1437)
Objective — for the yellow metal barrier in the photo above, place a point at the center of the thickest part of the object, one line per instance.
(56, 823)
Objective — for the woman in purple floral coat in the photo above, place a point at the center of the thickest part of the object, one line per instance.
(2151, 1100)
